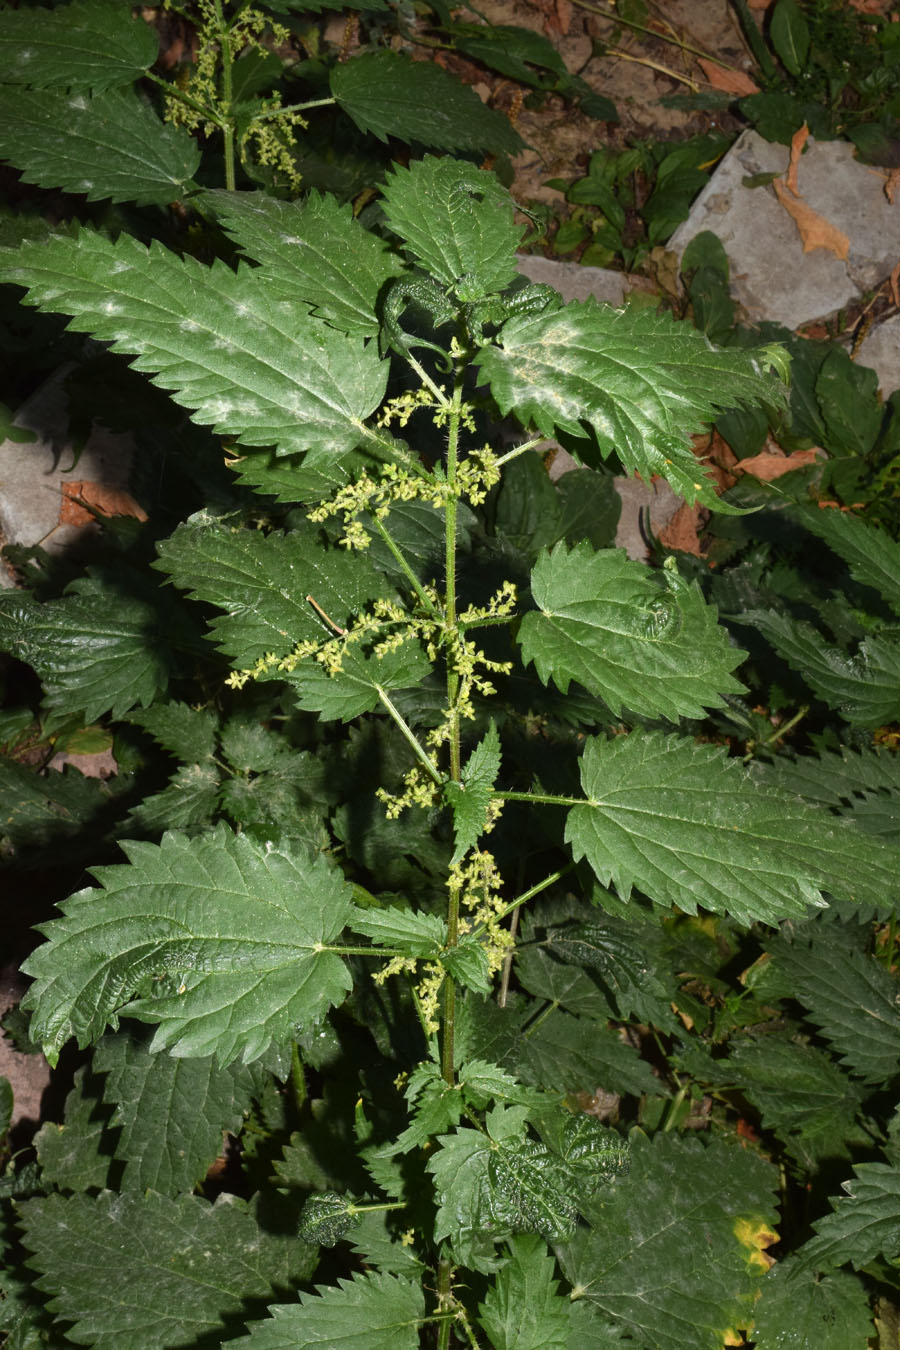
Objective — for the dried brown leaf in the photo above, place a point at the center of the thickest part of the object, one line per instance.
(770, 464)
(729, 81)
(815, 231)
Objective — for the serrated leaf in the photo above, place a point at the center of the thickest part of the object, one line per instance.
(315, 251)
(457, 221)
(369, 1312)
(522, 1309)
(245, 362)
(672, 1253)
(470, 799)
(468, 963)
(263, 581)
(642, 382)
(592, 1151)
(145, 1272)
(797, 1309)
(326, 1219)
(605, 622)
(389, 95)
(111, 145)
(235, 928)
(185, 732)
(872, 555)
(37, 810)
(74, 1155)
(170, 1113)
(689, 827)
(621, 957)
(864, 1224)
(460, 1170)
(411, 931)
(95, 653)
(801, 1095)
(576, 1054)
(90, 44)
(849, 996)
(357, 687)
(863, 688)
(190, 800)
(529, 1190)
(511, 50)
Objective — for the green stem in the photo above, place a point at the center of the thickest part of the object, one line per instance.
(208, 114)
(444, 1293)
(375, 1209)
(423, 375)
(272, 113)
(357, 951)
(298, 1079)
(543, 798)
(424, 598)
(653, 32)
(409, 735)
(519, 450)
(227, 96)
(533, 891)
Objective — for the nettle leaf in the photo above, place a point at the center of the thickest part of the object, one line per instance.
(327, 1219)
(230, 929)
(74, 1156)
(863, 688)
(865, 1222)
(185, 732)
(145, 1272)
(801, 1095)
(621, 957)
(872, 555)
(190, 800)
(244, 361)
(457, 221)
(37, 810)
(170, 1112)
(95, 653)
(798, 1307)
(642, 382)
(412, 932)
(471, 798)
(488, 1187)
(263, 581)
(111, 145)
(389, 95)
(690, 827)
(369, 1312)
(530, 1190)
(522, 1309)
(91, 44)
(606, 622)
(848, 995)
(434, 1105)
(673, 1250)
(357, 687)
(315, 251)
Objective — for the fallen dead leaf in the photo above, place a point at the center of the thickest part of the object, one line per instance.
(894, 283)
(682, 531)
(761, 4)
(891, 183)
(815, 231)
(100, 765)
(79, 497)
(729, 81)
(798, 141)
(769, 464)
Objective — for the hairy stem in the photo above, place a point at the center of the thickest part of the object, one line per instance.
(227, 96)
(423, 596)
(410, 736)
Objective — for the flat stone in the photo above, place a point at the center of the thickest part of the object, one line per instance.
(881, 351)
(771, 276)
(33, 473)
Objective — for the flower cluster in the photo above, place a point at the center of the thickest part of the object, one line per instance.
(475, 477)
(478, 883)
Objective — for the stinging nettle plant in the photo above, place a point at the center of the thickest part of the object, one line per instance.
(440, 817)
